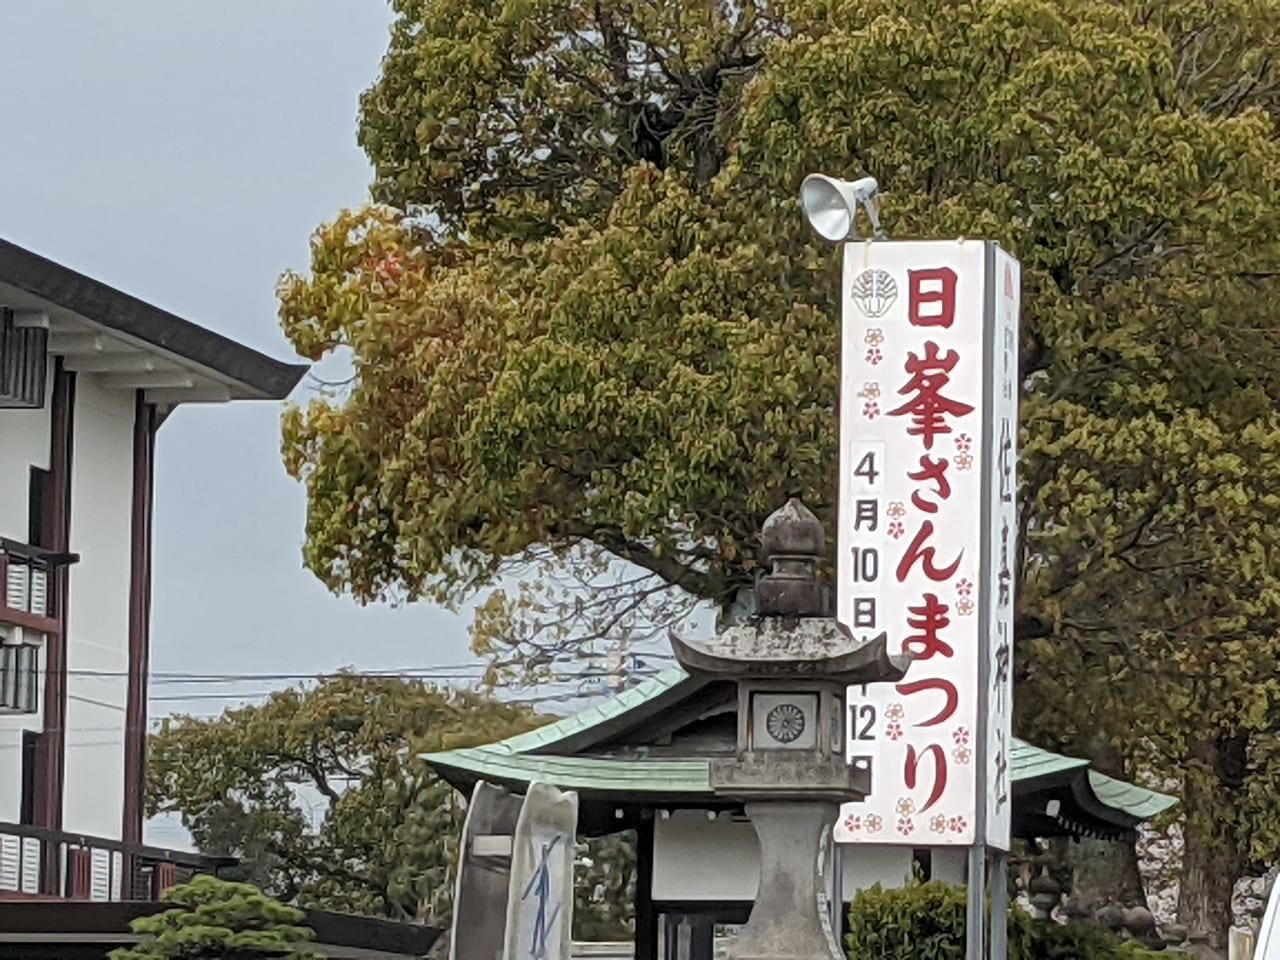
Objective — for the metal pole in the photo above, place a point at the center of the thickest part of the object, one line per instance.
(999, 905)
(975, 912)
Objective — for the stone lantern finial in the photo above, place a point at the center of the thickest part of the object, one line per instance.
(793, 544)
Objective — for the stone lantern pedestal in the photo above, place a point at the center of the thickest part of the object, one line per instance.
(792, 663)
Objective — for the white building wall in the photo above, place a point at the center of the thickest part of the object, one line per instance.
(24, 443)
(950, 865)
(699, 859)
(98, 613)
(865, 865)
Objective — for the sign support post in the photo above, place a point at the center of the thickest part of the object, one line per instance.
(999, 904)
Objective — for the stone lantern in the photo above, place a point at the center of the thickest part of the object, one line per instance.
(792, 663)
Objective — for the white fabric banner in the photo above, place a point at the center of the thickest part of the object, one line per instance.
(540, 898)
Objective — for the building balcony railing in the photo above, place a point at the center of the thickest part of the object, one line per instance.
(52, 864)
(28, 615)
(27, 585)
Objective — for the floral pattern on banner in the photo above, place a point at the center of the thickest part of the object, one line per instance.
(870, 392)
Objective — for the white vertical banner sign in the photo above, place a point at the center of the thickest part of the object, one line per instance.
(927, 533)
(1002, 553)
(540, 898)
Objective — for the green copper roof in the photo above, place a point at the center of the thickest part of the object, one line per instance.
(526, 758)
(674, 778)
(1136, 801)
(690, 778)
(610, 709)
(1031, 763)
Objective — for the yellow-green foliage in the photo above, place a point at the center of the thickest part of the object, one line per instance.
(611, 325)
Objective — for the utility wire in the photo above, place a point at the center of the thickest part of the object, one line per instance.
(477, 672)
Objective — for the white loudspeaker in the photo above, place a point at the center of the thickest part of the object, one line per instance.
(832, 205)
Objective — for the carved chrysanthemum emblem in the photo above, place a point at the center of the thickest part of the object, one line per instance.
(785, 722)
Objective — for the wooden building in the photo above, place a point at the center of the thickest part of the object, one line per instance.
(640, 761)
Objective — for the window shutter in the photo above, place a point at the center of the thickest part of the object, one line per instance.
(101, 883)
(117, 875)
(19, 672)
(16, 597)
(30, 865)
(38, 592)
(10, 848)
(24, 362)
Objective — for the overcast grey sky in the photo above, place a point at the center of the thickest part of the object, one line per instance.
(183, 152)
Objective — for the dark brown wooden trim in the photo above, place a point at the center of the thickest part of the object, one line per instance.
(29, 621)
(135, 736)
(195, 861)
(646, 936)
(723, 911)
(63, 925)
(52, 746)
(79, 874)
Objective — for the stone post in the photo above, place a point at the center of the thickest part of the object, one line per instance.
(789, 918)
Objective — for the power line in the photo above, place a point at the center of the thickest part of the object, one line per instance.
(441, 672)
(366, 675)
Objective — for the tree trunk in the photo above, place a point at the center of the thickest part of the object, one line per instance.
(1212, 859)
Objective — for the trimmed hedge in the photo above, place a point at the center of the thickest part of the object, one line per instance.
(925, 921)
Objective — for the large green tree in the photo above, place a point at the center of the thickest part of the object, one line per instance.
(586, 315)
(318, 793)
(319, 790)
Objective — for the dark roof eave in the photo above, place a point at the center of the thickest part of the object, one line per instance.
(1097, 809)
(464, 781)
(110, 921)
(95, 301)
(1084, 807)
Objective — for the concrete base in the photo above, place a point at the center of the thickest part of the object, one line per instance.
(789, 920)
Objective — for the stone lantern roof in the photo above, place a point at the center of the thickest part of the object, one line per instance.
(792, 634)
